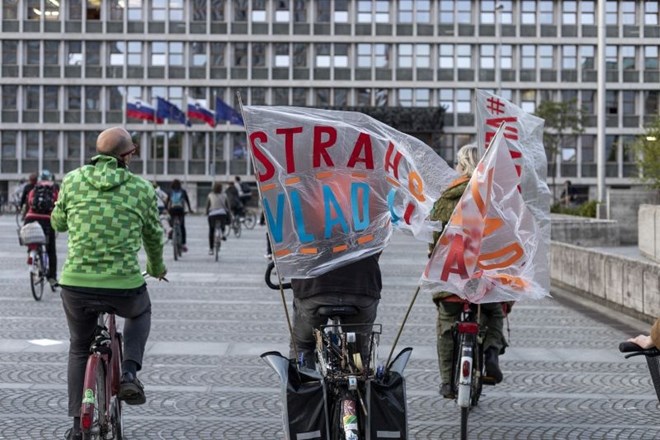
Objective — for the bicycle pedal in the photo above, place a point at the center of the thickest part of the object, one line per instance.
(487, 380)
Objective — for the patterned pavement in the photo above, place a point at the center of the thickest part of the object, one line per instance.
(564, 378)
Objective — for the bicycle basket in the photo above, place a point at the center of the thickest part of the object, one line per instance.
(654, 368)
(32, 233)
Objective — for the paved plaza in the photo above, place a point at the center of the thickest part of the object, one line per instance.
(564, 377)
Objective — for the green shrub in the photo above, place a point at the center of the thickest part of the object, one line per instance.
(587, 209)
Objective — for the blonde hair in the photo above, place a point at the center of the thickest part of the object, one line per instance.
(467, 157)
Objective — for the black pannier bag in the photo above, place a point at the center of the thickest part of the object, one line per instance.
(303, 400)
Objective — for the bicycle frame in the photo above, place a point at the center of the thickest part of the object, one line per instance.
(105, 350)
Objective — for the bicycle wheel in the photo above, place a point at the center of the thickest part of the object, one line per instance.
(236, 227)
(116, 420)
(37, 277)
(217, 242)
(478, 372)
(176, 241)
(464, 423)
(98, 424)
(250, 220)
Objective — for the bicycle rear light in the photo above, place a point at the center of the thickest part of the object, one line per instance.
(86, 421)
(466, 368)
(471, 328)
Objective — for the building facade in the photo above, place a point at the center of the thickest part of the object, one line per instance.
(68, 68)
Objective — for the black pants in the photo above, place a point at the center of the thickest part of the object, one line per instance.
(180, 214)
(51, 248)
(81, 310)
(223, 219)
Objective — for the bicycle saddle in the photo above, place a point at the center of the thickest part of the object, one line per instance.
(339, 311)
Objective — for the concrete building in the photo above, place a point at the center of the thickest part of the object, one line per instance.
(68, 67)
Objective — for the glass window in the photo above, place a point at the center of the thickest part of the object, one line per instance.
(651, 57)
(300, 54)
(8, 144)
(217, 9)
(405, 97)
(528, 56)
(9, 97)
(589, 101)
(31, 145)
(93, 53)
(364, 55)
(587, 12)
(422, 97)
(199, 10)
(588, 142)
(341, 97)
(51, 53)
(651, 12)
(134, 10)
(528, 12)
(32, 49)
(569, 13)
(158, 10)
(93, 10)
(628, 57)
(506, 56)
(382, 55)
(51, 97)
(382, 11)
(341, 55)
(92, 98)
(364, 11)
(10, 10)
(487, 15)
(135, 53)
(464, 11)
(611, 10)
(51, 144)
(282, 13)
(175, 55)
(446, 100)
(587, 57)
(651, 102)
(463, 101)
(158, 53)
(406, 11)
(116, 10)
(217, 54)
(258, 54)
(280, 96)
(341, 11)
(322, 97)
(628, 13)
(446, 56)
(569, 95)
(176, 10)
(382, 97)
(446, 12)
(72, 144)
(74, 53)
(423, 56)
(240, 54)
(405, 58)
(73, 97)
(9, 53)
(546, 12)
(33, 9)
(612, 102)
(31, 97)
(528, 100)
(569, 57)
(611, 58)
(364, 97)
(300, 11)
(323, 11)
(115, 98)
(259, 11)
(116, 50)
(51, 10)
(464, 56)
(240, 8)
(629, 102)
(546, 57)
(422, 11)
(282, 58)
(487, 56)
(569, 149)
(611, 147)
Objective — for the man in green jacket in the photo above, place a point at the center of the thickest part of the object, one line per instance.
(109, 213)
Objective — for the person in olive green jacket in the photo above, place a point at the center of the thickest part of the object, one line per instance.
(492, 314)
(109, 213)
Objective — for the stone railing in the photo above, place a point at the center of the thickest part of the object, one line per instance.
(584, 231)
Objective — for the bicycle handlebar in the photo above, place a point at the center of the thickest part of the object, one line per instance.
(636, 350)
(269, 271)
(145, 275)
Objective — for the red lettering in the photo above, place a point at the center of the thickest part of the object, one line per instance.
(269, 169)
(288, 146)
(363, 143)
(409, 212)
(320, 145)
(455, 263)
(392, 164)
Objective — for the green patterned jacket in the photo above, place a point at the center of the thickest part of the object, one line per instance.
(109, 212)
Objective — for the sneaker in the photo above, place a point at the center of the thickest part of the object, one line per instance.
(53, 282)
(492, 363)
(211, 252)
(69, 435)
(131, 390)
(446, 391)
(184, 248)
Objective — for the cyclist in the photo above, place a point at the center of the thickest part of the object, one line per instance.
(175, 204)
(108, 212)
(448, 312)
(40, 202)
(243, 190)
(653, 340)
(233, 196)
(217, 209)
(25, 191)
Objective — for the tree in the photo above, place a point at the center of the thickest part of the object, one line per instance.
(561, 119)
(647, 154)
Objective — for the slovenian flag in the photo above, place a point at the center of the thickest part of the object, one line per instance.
(138, 109)
(224, 112)
(196, 110)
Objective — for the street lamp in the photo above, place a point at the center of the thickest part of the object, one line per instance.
(498, 75)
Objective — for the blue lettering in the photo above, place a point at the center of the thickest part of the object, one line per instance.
(330, 199)
(275, 225)
(390, 205)
(356, 189)
(296, 206)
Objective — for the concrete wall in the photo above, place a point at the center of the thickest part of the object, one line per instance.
(649, 231)
(584, 231)
(623, 205)
(624, 283)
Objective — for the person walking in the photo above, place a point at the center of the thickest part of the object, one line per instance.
(217, 210)
(40, 202)
(448, 312)
(109, 213)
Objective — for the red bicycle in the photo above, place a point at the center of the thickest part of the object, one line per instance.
(100, 413)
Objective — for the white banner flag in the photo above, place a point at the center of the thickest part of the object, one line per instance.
(333, 183)
(491, 249)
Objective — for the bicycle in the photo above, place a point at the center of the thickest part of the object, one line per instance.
(236, 225)
(250, 219)
(652, 356)
(177, 237)
(217, 238)
(468, 368)
(346, 396)
(32, 236)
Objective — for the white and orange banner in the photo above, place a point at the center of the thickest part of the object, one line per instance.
(333, 184)
(491, 249)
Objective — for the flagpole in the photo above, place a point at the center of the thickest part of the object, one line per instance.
(215, 124)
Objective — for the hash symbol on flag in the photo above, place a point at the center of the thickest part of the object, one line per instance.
(495, 106)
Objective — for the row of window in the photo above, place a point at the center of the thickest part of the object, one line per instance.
(93, 100)
(361, 55)
(576, 158)
(339, 11)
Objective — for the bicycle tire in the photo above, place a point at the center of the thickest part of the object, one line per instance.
(98, 428)
(250, 220)
(217, 243)
(465, 412)
(37, 278)
(236, 227)
(116, 420)
(176, 242)
(478, 372)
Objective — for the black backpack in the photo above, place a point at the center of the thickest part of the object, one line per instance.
(43, 199)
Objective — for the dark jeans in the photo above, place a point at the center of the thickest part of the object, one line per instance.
(81, 310)
(305, 320)
(175, 212)
(224, 221)
(51, 249)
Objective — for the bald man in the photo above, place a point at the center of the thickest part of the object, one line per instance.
(109, 213)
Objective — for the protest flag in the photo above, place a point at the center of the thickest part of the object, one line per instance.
(197, 110)
(171, 112)
(223, 112)
(138, 109)
(491, 249)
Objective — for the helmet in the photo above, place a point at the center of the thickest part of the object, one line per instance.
(46, 175)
